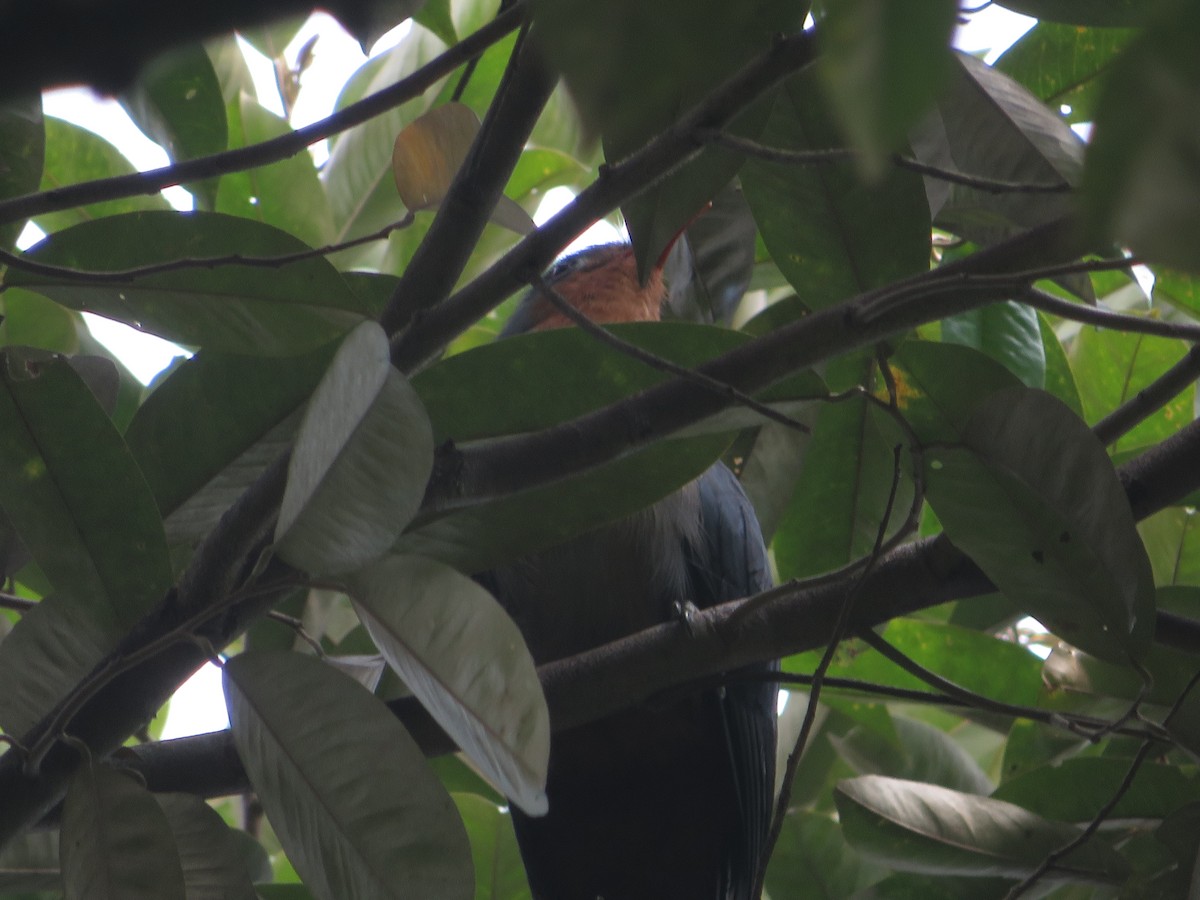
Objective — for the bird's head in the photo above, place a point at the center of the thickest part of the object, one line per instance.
(601, 282)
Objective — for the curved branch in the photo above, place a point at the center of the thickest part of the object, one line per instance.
(22, 262)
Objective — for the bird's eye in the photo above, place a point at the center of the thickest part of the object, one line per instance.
(560, 268)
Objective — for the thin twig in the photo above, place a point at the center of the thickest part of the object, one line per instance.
(899, 536)
(1149, 399)
(1069, 721)
(116, 664)
(1105, 318)
(1105, 811)
(1086, 727)
(954, 277)
(810, 713)
(15, 603)
(122, 276)
(298, 627)
(729, 392)
(842, 154)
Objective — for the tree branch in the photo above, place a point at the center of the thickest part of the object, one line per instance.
(1106, 318)
(631, 671)
(1149, 399)
(123, 276)
(616, 184)
(506, 465)
(842, 154)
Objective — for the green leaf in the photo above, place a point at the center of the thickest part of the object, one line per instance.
(1062, 65)
(48, 652)
(358, 174)
(709, 267)
(882, 63)
(917, 827)
(213, 425)
(978, 662)
(229, 63)
(1111, 367)
(1070, 675)
(237, 309)
(772, 468)
(487, 534)
(272, 40)
(372, 22)
(115, 841)
(74, 492)
(812, 861)
(31, 320)
(540, 170)
(926, 887)
(347, 791)
(213, 868)
(920, 752)
(628, 89)
(22, 153)
(1032, 498)
(428, 154)
(1104, 13)
(29, 863)
(362, 458)
(499, 388)
(176, 102)
(939, 385)
(74, 154)
(987, 125)
(286, 194)
(851, 237)
(849, 468)
(1185, 726)
(460, 778)
(1060, 380)
(1076, 790)
(435, 16)
(1172, 539)
(499, 872)
(1007, 332)
(1177, 289)
(1142, 184)
(465, 660)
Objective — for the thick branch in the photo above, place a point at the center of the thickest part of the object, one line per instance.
(507, 465)
(630, 671)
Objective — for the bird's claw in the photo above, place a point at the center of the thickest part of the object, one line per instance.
(688, 614)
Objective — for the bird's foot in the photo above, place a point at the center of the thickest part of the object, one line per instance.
(688, 614)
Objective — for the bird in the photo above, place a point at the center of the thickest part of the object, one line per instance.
(673, 800)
